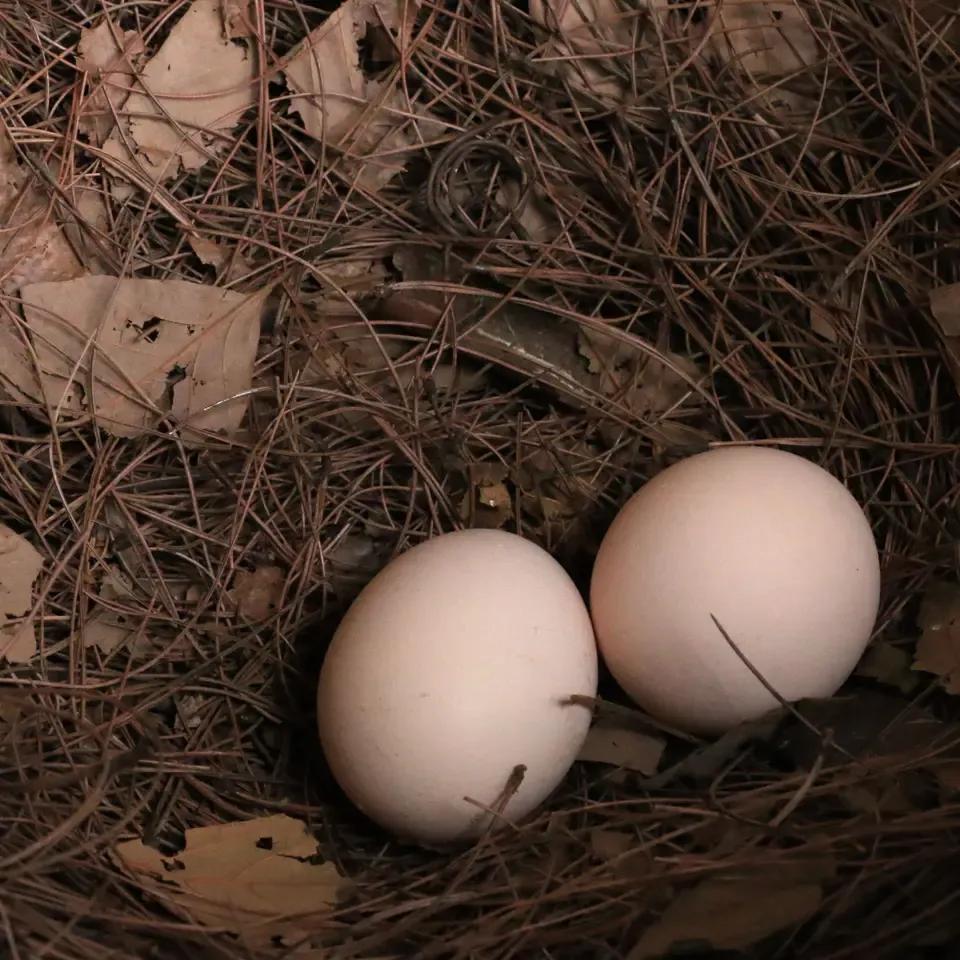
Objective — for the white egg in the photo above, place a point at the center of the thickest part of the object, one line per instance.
(767, 542)
(454, 667)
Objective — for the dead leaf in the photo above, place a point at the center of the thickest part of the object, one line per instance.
(822, 322)
(19, 566)
(534, 213)
(369, 119)
(945, 307)
(257, 594)
(32, 245)
(156, 347)
(730, 914)
(194, 91)
(938, 649)
(237, 18)
(890, 665)
(109, 55)
(589, 35)
(227, 262)
(621, 747)
(762, 37)
(106, 630)
(250, 877)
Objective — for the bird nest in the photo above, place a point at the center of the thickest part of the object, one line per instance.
(389, 269)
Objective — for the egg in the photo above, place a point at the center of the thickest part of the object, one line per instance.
(768, 543)
(454, 667)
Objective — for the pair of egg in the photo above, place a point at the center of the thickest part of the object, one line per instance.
(445, 700)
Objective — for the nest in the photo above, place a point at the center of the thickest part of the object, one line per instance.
(593, 255)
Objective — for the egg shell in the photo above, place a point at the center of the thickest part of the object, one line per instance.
(771, 545)
(453, 666)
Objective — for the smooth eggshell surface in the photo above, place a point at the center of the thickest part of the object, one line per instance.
(771, 545)
(451, 668)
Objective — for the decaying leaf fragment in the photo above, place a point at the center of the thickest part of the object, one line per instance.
(252, 877)
(590, 36)
(130, 352)
(189, 95)
(19, 566)
(622, 747)
(368, 119)
(32, 246)
(257, 593)
(732, 914)
(108, 55)
(764, 38)
(938, 649)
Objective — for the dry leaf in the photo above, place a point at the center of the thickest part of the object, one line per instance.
(620, 747)
(731, 914)
(227, 262)
(257, 594)
(646, 384)
(19, 566)
(106, 630)
(590, 33)
(109, 55)
(195, 89)
(938, 649)
(238, 18)
(890, 665)
(605, 355)
(156, 347)
(250, 877)
(822, 322)
(762, 37)
(536, 215)
(945, 307)
(369, 120)
(32, 246)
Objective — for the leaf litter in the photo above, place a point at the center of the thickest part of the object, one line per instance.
(130, 352)
(20, 565)
(938, 649)
(371, 120)
(110, 57)
(190, 94)
(32, 245)
(622, 747)
(736, 912)
(257, 593)
(253, 877)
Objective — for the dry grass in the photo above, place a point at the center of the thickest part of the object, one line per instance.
(694, 217)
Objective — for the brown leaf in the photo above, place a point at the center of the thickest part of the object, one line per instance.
(622, 747)
(250, 877)
(585, 27)
(762, 37)
(945, 307)
(938, 649)
(888, 664)
(194, 91)
(19, 566)
(822, 322)
(730, 914)
(106, 630)
(368, 119)
(32, 245)
(237, 18)
(109, 55)
(227, 262)
(257, 594)
(155, 347)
